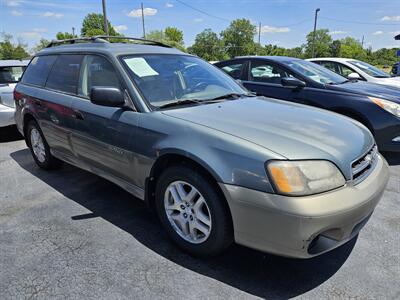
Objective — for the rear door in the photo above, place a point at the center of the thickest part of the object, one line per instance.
(55, 103)
(102, 136)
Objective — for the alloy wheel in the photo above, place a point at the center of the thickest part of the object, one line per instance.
(38, 145)
(187, 212)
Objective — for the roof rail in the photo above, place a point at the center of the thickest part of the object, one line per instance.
(104, 39)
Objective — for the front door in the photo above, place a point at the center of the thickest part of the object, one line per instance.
(264, 78)
(103, 136)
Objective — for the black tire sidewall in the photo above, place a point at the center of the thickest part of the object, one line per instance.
(221, 233)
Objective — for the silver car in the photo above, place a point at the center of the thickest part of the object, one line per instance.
(215, 162)
(358, 70)
(10, 73)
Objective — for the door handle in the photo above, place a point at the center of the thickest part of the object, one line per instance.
(38, 103)
(78, 115)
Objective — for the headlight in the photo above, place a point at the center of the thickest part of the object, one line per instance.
(389, 106)
(299, 178)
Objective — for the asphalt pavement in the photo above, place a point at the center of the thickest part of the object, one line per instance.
(71, 234)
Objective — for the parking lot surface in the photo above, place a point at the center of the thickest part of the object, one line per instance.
(71, 234)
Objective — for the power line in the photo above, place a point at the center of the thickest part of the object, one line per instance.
(202, 11)
(228, 20)
(360, 22)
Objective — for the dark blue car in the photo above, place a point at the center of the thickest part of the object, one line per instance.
(296, 80)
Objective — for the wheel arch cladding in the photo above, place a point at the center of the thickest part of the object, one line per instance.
(176, 158)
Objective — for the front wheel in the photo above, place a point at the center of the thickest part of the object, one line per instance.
(193, 212)
(39, 148)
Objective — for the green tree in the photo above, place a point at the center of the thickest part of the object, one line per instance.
(40, 45)
(295, 52)
(156, 35)
(351, 48)
(238, 38)
(322, 43)
(11, 50)
(65, 36)
(93, 24)
(274, 50)
(173, 34)
(162, 37)
(383, 57)
(335, 48)
(208, 46)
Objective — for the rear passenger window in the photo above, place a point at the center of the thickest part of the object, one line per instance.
(234, 70)
(38, 70)
(64, 75)
(97, 71)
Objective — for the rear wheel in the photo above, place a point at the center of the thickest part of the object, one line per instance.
(192, 211)
(39, 148)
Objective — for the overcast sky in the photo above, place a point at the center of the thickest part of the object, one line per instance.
(284, 22)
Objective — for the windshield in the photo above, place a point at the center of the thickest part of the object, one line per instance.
(10, 74)
(166, 79)
(315, 72)
(370, 70)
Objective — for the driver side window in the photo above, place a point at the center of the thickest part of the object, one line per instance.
(266, 72)
(97, 71)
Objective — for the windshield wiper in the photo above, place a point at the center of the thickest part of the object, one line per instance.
(231, 96)
(181, 102)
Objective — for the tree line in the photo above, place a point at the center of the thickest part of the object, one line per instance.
(235, 40)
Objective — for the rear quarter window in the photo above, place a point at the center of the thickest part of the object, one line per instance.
(38, 70)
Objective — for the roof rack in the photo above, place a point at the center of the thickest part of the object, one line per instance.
(104, 39)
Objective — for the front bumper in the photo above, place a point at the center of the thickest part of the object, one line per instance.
(6, 115)
(307, 226)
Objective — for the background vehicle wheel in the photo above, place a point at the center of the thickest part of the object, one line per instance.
(40, 149)
(192, 211)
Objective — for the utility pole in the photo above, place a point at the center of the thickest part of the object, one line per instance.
(73, 32)
(144, 32)
(362, 42)
(259, 33)
(105, 18)
(315, 28)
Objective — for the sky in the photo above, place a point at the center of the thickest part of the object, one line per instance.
(284, 22)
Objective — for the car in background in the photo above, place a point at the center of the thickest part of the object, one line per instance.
(296, 80)
(10, 73)
(357, 70)
(216, 163)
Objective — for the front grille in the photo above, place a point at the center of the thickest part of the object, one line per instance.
(361, 167)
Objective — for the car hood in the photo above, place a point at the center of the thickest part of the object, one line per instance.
(392, 81)
(291, 130)
(368, 89)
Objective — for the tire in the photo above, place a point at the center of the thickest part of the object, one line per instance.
(209, 215)
(40, 150)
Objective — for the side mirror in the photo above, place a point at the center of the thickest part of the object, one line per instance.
(353, 76)
(292, 83)
(107, 96)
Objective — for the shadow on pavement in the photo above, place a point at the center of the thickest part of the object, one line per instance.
(251, 271)
(392, 158)
(9, 134)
